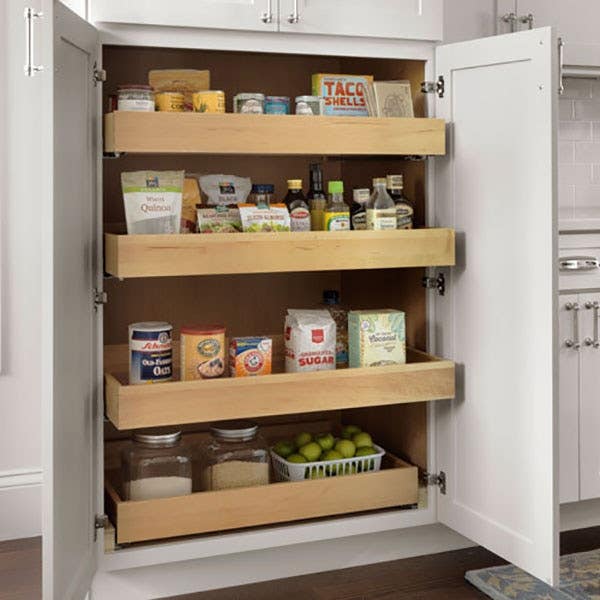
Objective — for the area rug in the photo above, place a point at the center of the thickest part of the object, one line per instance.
(579, 580)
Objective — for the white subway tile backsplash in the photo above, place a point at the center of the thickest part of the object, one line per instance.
(587, 196)
(587, 152)
(575, 174)
(587, 110)
(566, 152)
(566, 109)
(575, 130)
(577, 88)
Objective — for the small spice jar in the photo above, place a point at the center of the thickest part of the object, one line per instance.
(262, 194)
(251, 104)
(235, 457)
(135, 98)
(277, 105)
(310, 105)
(156, 466)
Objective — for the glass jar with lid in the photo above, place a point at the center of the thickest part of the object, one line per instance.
(135, 97)
(235, 457)
(156, 466)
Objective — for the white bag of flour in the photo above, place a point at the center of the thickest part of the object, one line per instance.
(309, 341)
(152, 201)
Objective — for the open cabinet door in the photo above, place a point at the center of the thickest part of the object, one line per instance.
(68, 50)
(497, 442)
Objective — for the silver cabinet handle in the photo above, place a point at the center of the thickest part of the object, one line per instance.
(526, 20)
(561, 64)
(30, 68)
(574, 342)
(579, 263)
(511, 19)
(294, 17)
(596, 341)
(267, 16)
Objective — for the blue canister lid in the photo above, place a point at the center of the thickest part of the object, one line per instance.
(263, 188)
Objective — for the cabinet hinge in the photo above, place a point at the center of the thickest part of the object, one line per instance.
(99, 75)
(100, 522)
(100, 298)
(435, 283)
(434, 87)
(438, 479)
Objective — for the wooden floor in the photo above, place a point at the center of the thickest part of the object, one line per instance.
(434, 577)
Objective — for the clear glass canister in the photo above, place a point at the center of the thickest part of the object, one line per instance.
(136, 98)
(235, 457)
(156, 466)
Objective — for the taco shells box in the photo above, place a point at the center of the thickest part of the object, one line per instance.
(344, 95)
(376, 337)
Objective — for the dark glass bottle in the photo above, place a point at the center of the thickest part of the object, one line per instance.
(316, 197)
(297, 205)
(358, 209)
(404, 208)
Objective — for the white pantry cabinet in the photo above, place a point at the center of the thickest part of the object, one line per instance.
(576, 22)
(495, 442)
(399, 19)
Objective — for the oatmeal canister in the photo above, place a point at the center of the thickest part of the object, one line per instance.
(202, 351)
(169, 101)
(150, 352)
(209, 101)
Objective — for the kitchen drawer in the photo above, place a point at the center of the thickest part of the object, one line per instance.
(579, 262)
(396, 484)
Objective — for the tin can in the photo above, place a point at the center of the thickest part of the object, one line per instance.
(277, 105)
(253, 104)
(150, 352)
(169, 101)
(202, 352)
(310, 105)
(209, 101)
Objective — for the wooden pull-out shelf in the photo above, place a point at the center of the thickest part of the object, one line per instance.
(238, 253)
(167, 133)
(422, 379)
(204, 512)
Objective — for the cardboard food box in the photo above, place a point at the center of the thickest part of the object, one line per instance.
(344, 95)
(376, 337)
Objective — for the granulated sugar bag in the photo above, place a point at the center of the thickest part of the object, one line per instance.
(309, 341)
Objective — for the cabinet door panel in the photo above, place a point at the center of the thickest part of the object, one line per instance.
(497, 439)
(589, 421)
(250, 15)
(576, 21)
(399, 19)
(69, 361)
(568, 419)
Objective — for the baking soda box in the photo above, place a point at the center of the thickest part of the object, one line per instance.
(376, 338)
(344, 95)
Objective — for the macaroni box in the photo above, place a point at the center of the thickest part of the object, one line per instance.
(376, 338)
(250, 356)
(344, 95)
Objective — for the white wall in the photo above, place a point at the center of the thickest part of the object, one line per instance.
(20, 303)
(470, 19)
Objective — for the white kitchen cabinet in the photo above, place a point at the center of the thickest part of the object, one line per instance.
(406, 19)
(576, 22)
(491, 451)
(250, 15)
(569, 354)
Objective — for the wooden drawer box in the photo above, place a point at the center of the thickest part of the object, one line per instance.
(204, 512)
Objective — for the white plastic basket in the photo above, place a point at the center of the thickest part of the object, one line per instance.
(289, 471)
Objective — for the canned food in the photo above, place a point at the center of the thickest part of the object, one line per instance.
(209, 101)
(202, 352)
(310, 105)
(169, 101)
(253, 104)
(135, 98)
(277, 105)
(150, 352)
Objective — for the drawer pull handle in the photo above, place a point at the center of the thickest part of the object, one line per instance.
(596, 341)
(579, 263)
(294, 17)
(574, 342)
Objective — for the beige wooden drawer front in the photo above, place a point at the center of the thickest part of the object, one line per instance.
(204, 512)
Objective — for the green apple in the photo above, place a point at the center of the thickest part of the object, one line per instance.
(317, 473)
(326, 441)
(365, 451)
(296, 458)
(311, 451)
(349, 431)
(284, 448)
(349, 469)
(346, 448)
(332, 455)
(302, 439)
(362, 440)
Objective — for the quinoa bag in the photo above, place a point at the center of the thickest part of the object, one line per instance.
(309, 341)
